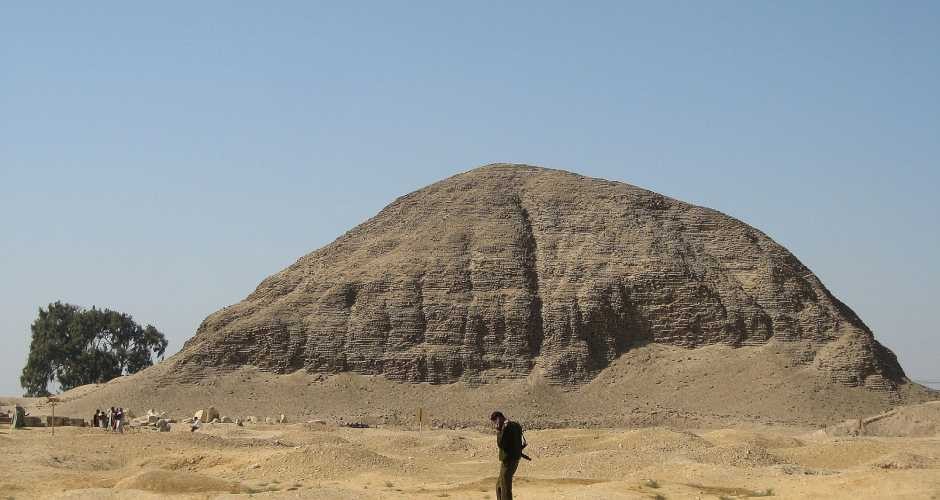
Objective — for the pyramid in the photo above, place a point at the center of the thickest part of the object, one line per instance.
(513, 271)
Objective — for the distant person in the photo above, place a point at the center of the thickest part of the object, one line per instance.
(96, 418)
(111, 419)
(511, 442)
(119, 421)
(195, 425)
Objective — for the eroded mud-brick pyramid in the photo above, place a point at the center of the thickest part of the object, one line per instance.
(513, 270)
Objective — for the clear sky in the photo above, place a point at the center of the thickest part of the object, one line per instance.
(161, 159)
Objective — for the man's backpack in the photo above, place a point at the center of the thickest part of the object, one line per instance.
(517, 441)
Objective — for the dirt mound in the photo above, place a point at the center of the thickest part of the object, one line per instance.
(176, 482)
(512, 270)
(598, 454)
(738, 455)
(752, 438)
(69, 461)
(191, 462)
(330, 460)
(655, 440)
(922, 420)
(836, 454)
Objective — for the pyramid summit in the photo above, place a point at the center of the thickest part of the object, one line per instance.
(512, 271)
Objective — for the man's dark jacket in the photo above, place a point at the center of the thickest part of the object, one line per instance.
(509, 440)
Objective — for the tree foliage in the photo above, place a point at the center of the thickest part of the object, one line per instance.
(72, 346)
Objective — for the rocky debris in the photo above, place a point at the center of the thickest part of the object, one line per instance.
(282, 419)
(902, 461)
(153, 417)
(238, 422)
(269, 420)
(508, 270)
(251, 419)
(207, 415)
(226, 420)
(798, 470)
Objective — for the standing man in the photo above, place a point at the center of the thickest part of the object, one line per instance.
(509, 440)
(119, 420)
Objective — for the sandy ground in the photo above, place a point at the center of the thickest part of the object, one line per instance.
(325, 461)
(661, 422)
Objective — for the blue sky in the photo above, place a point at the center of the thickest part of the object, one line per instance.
(163, 159)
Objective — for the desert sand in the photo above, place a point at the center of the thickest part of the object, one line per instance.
(327, 461)
(672, 428)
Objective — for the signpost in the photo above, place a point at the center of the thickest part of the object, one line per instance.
(52, 401)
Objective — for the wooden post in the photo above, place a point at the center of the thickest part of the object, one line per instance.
(53, 400)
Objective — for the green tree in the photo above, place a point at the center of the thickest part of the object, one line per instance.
(72, 346)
